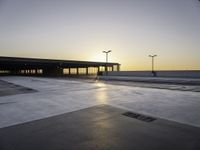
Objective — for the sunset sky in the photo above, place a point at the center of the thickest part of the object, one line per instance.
(82, 29)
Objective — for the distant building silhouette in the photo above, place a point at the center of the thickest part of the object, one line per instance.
(51, 67)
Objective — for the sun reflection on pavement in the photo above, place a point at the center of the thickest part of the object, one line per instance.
(101, 94)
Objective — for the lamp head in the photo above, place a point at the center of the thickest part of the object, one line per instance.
(152, 55)
(106, 51)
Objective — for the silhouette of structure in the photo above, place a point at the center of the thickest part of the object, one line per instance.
(152, 64)
(106, 52)
(51, 67)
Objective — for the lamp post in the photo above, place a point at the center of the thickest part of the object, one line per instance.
(106, 52)
(152, 64)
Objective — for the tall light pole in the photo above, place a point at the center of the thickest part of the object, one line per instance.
(106, 52)
(152, 63)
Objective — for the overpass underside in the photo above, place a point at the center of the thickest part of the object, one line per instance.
(49, 67)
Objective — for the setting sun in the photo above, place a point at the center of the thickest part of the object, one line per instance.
(100, 57)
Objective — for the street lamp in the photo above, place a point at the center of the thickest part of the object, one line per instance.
(152, 62)
(106, 52)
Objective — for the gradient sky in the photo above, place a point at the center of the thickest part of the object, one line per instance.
(82, 29)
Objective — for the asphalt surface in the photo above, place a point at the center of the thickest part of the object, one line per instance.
(99, 128)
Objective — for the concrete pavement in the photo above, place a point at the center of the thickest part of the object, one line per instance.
(99, 128)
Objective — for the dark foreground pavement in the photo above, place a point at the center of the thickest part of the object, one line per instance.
(98, 128)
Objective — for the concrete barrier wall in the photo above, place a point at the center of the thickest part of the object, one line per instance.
(175, 74)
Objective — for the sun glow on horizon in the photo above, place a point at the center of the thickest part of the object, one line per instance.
(81, 30)
(99, 57)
